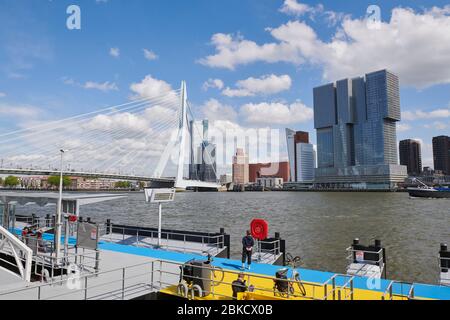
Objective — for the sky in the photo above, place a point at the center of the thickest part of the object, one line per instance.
(247, 63)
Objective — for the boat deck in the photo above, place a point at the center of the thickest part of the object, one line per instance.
(261, 276)
(129, 272)
(167, 244)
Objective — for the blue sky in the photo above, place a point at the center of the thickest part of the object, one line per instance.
(49, 72)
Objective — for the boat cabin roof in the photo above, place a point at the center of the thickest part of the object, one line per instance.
(51, 198)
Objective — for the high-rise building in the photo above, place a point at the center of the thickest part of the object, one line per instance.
(441, 154)
(356, 121)
(193, 163)
(302, 157)
(203, 167)
(240, 167)
(269, 170)
(411, 156)
(208, 168)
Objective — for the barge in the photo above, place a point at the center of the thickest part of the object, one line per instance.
(111, 262)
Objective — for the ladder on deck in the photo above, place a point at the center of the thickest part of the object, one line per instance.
(22, 254)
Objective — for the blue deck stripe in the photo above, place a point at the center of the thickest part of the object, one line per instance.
(420, 290)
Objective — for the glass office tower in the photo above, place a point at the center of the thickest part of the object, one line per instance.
(301, 156)
(356, 121)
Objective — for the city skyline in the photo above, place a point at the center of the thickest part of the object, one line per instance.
(238, 77)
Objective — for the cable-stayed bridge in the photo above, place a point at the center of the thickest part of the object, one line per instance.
(147, 139)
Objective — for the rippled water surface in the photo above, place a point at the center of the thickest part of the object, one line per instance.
(317, 226)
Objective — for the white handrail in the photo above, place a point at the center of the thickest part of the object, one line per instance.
(14, 243)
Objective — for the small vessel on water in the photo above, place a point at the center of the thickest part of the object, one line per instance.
(425, 191)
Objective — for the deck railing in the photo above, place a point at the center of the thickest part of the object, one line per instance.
(406, 291)
(352, 258)
(273, 252)
(315, 289)
(343, 292)
(177, 241)
(153, 276)
(81, 287)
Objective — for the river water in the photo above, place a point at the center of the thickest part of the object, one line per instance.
(316, 226)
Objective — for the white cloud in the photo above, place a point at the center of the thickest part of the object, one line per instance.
(403, 127)
(266, 85)
(235, 50)
(150, 87)
(214, 110)
(16, 75)
(114, 52)
(121, 121)
(150, 55)
(421, 115)
(276, 113)
(213, 83)
(157, 112)
(333, 18)
(69, 81)
(105, 86)
(414, 45)
(2, 94)
(295, 8)
(439, 125)
(144, 121)
(256, 140)
(437, 11)
(18, 111)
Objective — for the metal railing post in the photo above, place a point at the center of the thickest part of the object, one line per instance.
(153, 270)
(123, 283)
(137, 237)
(391, 292)
(86, 288)
(352, 290)
(160, 274)
(97, 260)
(333, 281)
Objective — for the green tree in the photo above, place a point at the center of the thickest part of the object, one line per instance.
(54, 181)
(11, 181)
(123, 184)
(1, 181)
